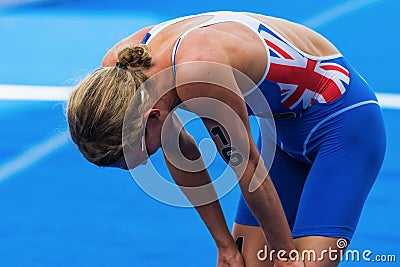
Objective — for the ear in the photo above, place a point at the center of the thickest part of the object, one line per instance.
(152, 114)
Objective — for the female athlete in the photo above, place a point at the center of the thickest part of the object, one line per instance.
(330, 137)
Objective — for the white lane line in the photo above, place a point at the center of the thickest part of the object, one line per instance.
(389, 101)
(32, 156)
(337, 12)
(34, 93)
(60, 93)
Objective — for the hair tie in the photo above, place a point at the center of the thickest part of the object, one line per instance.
(121, 65)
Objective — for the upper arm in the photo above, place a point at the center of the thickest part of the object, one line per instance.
(207, 85)
(111, 57)
(203, 69)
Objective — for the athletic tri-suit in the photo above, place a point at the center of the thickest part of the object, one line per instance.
(329, 133)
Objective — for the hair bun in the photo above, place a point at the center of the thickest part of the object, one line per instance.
(137, 56)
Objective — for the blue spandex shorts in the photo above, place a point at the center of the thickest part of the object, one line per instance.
(326, 162)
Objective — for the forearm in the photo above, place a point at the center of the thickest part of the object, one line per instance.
(213, 218)
(205, 200)
(198, 188)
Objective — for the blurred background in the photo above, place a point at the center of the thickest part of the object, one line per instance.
(56, 209)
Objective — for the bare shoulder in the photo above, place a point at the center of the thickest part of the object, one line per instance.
(220, 43)
(198, 56)
(204, 67)
(111, 57)
(201, 44)
(229, 45)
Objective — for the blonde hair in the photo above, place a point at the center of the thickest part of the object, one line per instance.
(97, 106)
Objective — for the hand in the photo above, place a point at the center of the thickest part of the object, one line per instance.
(229, 258)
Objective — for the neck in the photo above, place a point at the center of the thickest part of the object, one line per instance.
(168, 101)
(164, 92)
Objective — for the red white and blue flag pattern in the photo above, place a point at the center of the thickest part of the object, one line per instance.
(303, 79)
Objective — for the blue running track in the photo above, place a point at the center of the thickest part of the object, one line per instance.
(58, 210)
